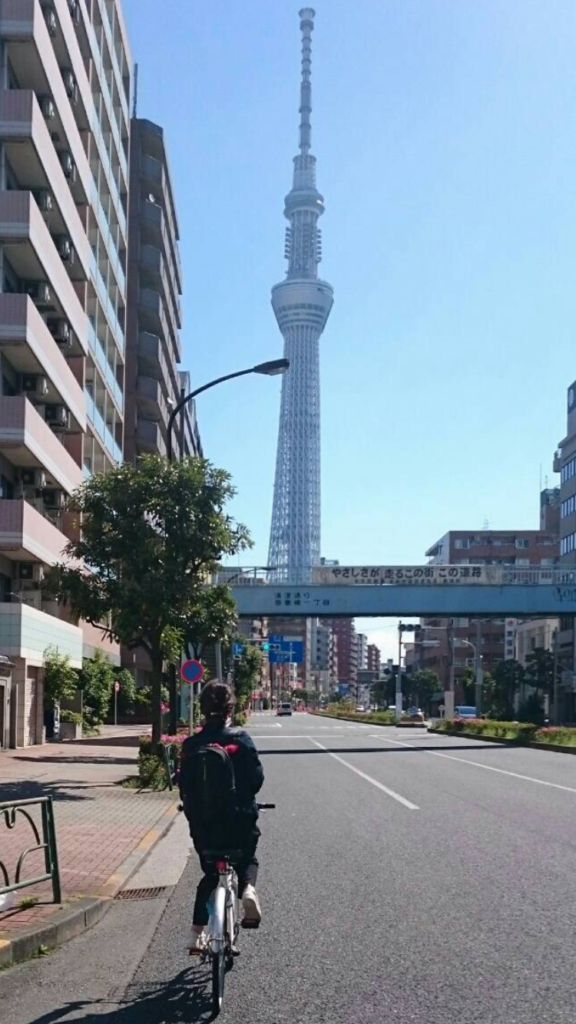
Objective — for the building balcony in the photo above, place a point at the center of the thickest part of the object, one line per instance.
(26, 632)
(151, 399)
(34, 256)
(154, 273)
(152, 362)
(28, 536)
(31, 350)
(29, 443)
(155, 230)
(149, 437)
(153, 319)
(33, 158)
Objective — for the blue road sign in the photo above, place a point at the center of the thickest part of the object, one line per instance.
(237, 649)
(276, 639)
(192, 671)
(280, 657)
(288, 651)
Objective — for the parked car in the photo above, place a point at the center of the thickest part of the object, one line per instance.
(284, 709)
(462, 712)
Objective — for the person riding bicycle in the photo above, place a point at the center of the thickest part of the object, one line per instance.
(220, 804)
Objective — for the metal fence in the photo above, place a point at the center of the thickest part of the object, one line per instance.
(10, 814)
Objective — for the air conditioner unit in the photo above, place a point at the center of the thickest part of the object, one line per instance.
(55, 500)
(39, 291)
(47, 107)
(32, 384)
(70, 85)
(33, 478)
(60, 331)
(68, 165)
(65, 248)
(74, 8)
(50, 19)
(56, 415)
(30, 571)
(45, 200)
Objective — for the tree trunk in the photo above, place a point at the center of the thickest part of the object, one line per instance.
(157, 662)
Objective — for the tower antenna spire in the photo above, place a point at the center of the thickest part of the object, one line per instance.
(307, 15)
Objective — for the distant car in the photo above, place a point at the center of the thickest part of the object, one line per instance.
(360, 707)
(414, 715)
(284, 709)
(462, 712)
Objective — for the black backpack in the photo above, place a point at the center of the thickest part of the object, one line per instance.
(209, 788)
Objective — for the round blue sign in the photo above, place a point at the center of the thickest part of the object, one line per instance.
(192, 671)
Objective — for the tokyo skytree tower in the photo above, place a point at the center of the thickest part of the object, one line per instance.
(302, 305)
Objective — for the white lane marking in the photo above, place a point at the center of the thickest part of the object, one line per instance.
(294, 736)
(368, 778)
(488, 767)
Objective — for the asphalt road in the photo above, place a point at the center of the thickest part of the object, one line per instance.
(405, 878)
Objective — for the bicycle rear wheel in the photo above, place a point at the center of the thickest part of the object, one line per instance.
(218, 979)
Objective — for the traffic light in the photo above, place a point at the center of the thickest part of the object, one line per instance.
(265, 646)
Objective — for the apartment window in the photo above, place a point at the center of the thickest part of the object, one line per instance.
(547, 561)
(522, 543)
(6, 487)
(522, 562)
(567, 544)
(8, 388)
(568, 470)
(461, 543)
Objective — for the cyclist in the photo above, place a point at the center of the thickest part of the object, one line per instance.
(241, 831)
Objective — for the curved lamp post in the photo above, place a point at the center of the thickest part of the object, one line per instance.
(269, 369)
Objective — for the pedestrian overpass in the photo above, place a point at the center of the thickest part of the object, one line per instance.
(432, 591)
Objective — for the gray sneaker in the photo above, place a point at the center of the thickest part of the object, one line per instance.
(251, 906)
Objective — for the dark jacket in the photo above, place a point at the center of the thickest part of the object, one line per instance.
(248, 771)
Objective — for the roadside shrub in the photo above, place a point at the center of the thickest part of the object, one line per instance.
(560, 735)
(519, 732)
(374, 718)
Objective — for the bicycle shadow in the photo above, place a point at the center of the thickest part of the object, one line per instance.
(184, 999)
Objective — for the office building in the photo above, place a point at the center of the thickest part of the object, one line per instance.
(64, 135)
(518, 548)
(347, 651)
(374, 658)
(362, 644)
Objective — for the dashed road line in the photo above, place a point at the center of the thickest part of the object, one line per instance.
(368, 778)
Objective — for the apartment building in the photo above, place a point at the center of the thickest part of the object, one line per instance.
(565, 465)
(154, 384)
(347, 650)
(495, 637)
(65, 89)
(324, 666)
(373, 658)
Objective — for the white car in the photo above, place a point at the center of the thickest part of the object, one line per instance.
(284, 709)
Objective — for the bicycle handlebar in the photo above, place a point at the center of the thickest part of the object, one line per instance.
(266, 807)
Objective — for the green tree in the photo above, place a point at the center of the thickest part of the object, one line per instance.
(383, 690)
(424, 685)
(60, 679)
(96, 680)
(247, 674)
(540, 671)
(152, 535)
(508, 678)
(307, 696)
(126, 693)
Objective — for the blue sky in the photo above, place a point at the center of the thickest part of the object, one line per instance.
(446, 145)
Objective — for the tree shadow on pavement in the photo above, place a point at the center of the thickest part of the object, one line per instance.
(28, 789)
(185, 999)
(126, 740)
(78, 759)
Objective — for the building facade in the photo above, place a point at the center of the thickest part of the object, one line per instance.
(65, 71)
(347, 651)
(374, 658)
(565, 465)
(154, 384)
(495, 637)
(362, 644)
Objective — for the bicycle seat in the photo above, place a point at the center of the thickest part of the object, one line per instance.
(232, 856)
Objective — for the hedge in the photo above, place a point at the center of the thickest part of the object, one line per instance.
(375, 718)
(516, 732)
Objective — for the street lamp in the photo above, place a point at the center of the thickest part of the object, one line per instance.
(268, 369)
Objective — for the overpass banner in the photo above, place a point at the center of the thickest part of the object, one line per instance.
(417, 574)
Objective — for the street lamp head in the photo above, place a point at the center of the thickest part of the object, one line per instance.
(271, 368)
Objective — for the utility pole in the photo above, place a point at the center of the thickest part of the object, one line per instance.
(449, 693)
(555, 678)
(399, 675)
(479, 672)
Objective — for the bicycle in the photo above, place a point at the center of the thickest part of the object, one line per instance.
(224, 920)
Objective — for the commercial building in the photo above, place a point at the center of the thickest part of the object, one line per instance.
(374, 658)
(324, 667)
(65, 88)
(520, 548)
(347, 651)
(362, 643)
(153, 382)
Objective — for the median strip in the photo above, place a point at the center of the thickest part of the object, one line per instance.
(368, 778)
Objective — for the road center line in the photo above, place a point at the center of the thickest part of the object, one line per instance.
(487, 767)
(368, 778)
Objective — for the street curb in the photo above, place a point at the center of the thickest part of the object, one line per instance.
(66, 923)
(555, 748)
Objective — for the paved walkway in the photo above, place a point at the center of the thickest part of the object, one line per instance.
(99, 824)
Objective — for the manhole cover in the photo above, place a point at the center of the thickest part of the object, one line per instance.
(142, 894)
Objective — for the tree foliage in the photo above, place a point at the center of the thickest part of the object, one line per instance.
(507, 680)
(60, 679)
(152, 534)
(96, 681)
(540, 670)
(247, 673)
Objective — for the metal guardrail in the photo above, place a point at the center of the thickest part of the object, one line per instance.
(495, 575)
(10, 811)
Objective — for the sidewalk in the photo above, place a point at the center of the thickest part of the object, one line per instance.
(103, 832)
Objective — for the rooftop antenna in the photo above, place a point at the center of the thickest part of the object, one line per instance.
(486, 524)
(135, 103)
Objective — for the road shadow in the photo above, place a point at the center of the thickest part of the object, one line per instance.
(127, 740)
(185, 999)
(77, 759)
(28, 789)
(382, 750)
